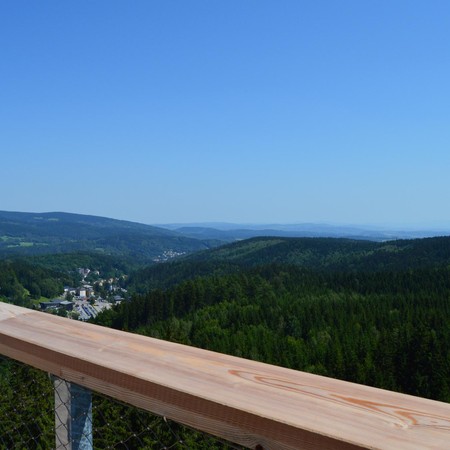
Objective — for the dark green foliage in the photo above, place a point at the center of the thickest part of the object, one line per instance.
(20, 282)
(108, 266)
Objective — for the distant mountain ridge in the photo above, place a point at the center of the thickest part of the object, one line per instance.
(231, 232)
(24, 233)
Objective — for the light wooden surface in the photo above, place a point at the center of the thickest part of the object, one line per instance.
(249, 403)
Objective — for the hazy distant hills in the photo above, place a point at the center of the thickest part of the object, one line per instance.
(230, 232)
(43, 233)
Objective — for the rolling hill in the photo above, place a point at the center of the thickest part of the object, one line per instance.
(25, 234)
(323, 254)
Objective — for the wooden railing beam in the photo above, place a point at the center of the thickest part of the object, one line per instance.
(246, 402)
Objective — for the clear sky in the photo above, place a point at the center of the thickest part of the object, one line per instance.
(258, 111)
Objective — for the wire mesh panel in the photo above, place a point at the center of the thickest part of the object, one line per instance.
(26, 407)
(119, 426)
(41, 412)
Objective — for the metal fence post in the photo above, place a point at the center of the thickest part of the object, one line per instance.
(73, 416)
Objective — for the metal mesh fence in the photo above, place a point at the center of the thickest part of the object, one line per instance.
(38, 411)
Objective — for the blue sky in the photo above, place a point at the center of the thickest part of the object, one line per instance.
(240, 111)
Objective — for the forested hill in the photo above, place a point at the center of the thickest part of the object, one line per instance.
(45, 233)
(323, 254)
(21, 281)
(333, 253)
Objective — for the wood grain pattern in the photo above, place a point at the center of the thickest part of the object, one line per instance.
(246, 402)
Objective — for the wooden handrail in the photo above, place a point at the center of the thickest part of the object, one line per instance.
(250, 403)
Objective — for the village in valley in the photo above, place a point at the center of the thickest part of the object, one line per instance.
(89, 298)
